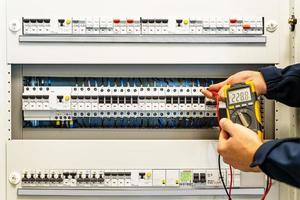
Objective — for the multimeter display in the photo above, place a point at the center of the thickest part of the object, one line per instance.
(239, 96)
(243, 107)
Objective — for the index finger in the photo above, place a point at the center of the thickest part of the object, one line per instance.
(221, 93)
(208, 94)
(218, 86)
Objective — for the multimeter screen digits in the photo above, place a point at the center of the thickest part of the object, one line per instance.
(239, 96)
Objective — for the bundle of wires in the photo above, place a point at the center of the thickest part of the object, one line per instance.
(268, 188)
(229, 192)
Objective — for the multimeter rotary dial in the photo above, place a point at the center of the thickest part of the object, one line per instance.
(243, 117)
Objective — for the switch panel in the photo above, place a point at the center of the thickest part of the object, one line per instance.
(144, 26)
(106, 178)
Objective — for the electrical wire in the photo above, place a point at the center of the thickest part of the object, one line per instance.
(231, 179)
(222, 179)
(228, 193)
(268, 188)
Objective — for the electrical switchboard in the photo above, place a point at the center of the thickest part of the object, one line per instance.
(106, 96)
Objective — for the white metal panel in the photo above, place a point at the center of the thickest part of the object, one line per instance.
(90, 53)
(4, 100)
(112, 154)
(143, 53)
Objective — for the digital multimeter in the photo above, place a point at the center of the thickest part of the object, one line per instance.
(243, 107)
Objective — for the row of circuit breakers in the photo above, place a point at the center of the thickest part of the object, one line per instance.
(128, 178)
(118, 103)
(110, 25)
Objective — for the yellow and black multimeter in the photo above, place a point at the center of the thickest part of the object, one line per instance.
(243, 107)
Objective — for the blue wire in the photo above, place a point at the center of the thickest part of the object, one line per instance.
(177, 84)
(109, 82)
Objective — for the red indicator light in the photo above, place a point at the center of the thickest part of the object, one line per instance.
(130, 21)
(233, 21)
(116, 21)
(246, 26)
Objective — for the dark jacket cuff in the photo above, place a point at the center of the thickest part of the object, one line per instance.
(271, 73)
(265, 149)
(262, 152)
(272, 76)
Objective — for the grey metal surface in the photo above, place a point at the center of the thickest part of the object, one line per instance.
(139, 192)
(16, 101)
(199, 39)
(108, 134)
(269, 118)
(136, 70)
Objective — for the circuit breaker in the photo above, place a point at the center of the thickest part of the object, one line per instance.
(143, 26)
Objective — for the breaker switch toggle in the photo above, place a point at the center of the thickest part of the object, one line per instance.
(130, 21)
(233, 20)
(116, 21)
(246, 26)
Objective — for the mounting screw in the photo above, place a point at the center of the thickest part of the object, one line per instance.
(14, 26)
(14, 178)
(272, 26)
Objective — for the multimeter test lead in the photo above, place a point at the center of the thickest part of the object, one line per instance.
(243, 120)
(228, 193)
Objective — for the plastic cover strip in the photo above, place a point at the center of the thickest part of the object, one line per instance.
(208, 39)
(138, 192)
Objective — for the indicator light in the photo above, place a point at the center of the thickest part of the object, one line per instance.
(116, 21)
(186, 21)
(130, 21)
(233, 21)
(247, 26)
(68, 21)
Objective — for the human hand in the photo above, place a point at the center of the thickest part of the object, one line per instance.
(240, 77)
(237, 145)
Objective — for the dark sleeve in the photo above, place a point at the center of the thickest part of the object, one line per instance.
(280, 160)
(283, 84)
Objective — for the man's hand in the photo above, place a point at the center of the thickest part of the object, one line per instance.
(240, 77)
(237, 145)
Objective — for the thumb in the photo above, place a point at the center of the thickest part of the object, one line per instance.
(228, 126)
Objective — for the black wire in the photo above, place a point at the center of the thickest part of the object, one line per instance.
(222, 179)
(267, 185)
